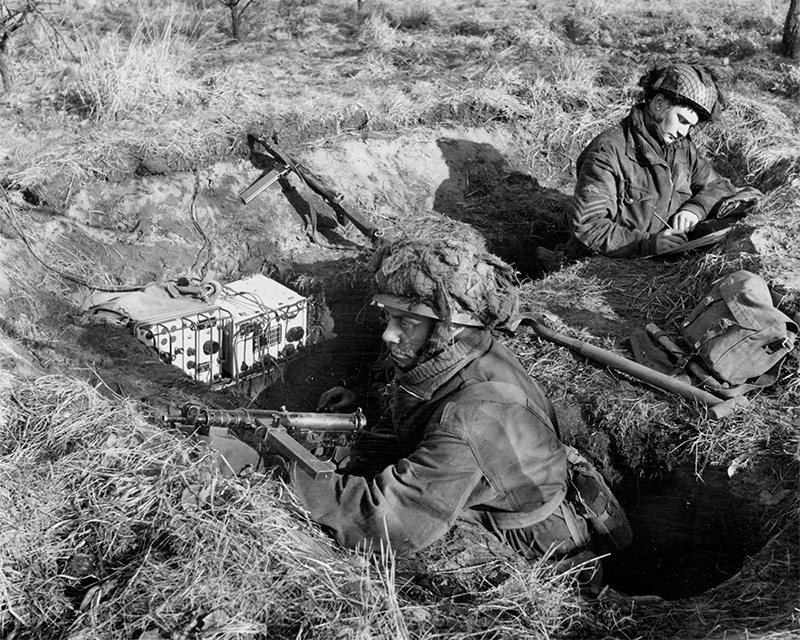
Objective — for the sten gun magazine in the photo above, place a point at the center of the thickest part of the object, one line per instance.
(309, 439)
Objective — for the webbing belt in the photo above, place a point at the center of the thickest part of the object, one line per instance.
(506, 520)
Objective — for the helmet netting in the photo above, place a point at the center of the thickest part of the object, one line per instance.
(452, 275)
(691, 84)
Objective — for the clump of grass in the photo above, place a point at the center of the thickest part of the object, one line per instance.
(145, 78)
(537, 39)
(789, 82)
(299, 16)
(414, 15)
(377, 33)
(588, 23)
(484, 104)
(757, 141)
(151, 540)
(402, 108)
(574, 84)
(470, 27)
(602, 302)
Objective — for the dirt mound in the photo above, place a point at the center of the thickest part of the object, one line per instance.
(159, 227)
(154, 228)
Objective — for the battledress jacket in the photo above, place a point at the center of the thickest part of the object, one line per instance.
(625, 177)
(459, 452)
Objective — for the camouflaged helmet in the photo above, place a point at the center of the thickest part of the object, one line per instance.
(454, 280)
(685, 83)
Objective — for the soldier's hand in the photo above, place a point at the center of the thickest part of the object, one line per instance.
(684, 221)
(336, 399)
(669, 239)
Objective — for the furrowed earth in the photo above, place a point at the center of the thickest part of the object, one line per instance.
(713, 504)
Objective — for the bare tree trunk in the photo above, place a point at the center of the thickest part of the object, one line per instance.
(790, 45)
(6, 74)
(11, 19)
(235, 20)
(237, 12)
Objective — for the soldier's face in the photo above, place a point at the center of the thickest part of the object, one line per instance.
(406, 335)
(673, 122)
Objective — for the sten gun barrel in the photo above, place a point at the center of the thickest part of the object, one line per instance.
(291, 434)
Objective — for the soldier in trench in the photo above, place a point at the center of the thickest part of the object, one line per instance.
(643, 186)
(470, 433)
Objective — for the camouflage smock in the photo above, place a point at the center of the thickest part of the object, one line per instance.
(494, 456)
(625, 178)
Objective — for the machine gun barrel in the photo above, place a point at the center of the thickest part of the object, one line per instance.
(292, 434)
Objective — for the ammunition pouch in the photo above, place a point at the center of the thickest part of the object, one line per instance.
(593, 501)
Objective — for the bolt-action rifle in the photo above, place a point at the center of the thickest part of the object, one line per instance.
(283, 164)
(295, 436)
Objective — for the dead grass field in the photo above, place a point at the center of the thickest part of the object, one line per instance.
(122, 148)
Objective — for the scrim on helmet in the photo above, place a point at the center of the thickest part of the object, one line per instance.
(451, 275)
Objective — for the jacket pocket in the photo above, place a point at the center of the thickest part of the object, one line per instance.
(633, 194)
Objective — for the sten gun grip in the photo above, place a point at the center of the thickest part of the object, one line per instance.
(281, 442)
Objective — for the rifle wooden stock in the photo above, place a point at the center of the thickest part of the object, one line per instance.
(717, 407)
(333, 201)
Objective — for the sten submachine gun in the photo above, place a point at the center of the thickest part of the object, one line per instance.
(282, 165)
(294, 436)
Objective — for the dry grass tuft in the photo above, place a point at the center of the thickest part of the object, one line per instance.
(115, 527)
(602, 301)
(760, 141)
(145, 77)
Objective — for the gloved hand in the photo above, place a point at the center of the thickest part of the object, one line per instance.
(336, 399)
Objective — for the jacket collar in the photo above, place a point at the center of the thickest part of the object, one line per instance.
(642, 146)
(424, 379)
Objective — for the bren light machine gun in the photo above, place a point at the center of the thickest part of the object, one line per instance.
(309, 439)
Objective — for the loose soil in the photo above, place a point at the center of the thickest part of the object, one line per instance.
(694, 528)
(465, 116)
